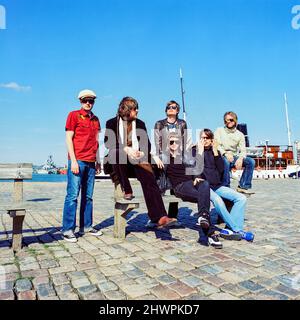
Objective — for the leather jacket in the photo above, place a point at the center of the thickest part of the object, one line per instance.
(161, 134)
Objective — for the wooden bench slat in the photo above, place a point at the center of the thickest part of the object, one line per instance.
(15, 206)
(21, 171)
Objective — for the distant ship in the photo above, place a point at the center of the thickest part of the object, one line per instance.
(271, 162)
(48, 168)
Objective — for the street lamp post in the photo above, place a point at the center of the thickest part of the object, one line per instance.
(267, 159)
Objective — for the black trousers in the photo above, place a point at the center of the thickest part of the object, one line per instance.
(199, 194)
(152, 195)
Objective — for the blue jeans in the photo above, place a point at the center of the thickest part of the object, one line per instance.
(83, 181)
(246, 178)
(235, 219)
(198, 194)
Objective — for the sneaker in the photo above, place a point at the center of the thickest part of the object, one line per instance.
(230, 235)
(203, 221)
(92, 231)
(244, 191)
(214, 241)
(248, 236)
(70, 237)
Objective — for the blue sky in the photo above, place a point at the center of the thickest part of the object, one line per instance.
(236, 55)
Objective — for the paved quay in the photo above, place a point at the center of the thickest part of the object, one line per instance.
(151, 264)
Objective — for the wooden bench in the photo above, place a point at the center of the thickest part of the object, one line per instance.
(16, 208)
(124, 207)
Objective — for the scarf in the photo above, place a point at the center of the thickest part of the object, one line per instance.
(135, 143)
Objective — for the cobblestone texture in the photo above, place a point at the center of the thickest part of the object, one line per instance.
(151, 264)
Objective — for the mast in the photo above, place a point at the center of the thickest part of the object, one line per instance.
(182, 95)
(287, 119)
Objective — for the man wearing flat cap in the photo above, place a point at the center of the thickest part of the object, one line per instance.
(82, 136)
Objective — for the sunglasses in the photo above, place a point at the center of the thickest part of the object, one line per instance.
(173, 142)
(90, 101)
(172, 107)
(205, 138)
(229, 120)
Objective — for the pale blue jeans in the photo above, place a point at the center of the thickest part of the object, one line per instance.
(235, 219)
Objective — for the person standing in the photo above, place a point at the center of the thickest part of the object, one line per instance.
(232, 147)
(82, 138)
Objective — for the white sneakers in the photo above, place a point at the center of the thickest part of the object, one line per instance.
(69, 236)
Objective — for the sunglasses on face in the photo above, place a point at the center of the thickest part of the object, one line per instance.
(172, 142)
(90, 101)
(205, 138)
(229, 120)
(172, 107)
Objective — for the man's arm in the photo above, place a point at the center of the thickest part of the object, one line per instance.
(110, 137)
(242, 152)
(219, 141)
(219, 164)
(98, 161)
(187, 138)
(157, 140)
(145, 144)
(195, 158)
(242, 147)
(70, 147)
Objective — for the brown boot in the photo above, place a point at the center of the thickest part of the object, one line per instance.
(165, 221)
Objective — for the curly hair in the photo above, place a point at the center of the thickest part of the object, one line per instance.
(126, 105)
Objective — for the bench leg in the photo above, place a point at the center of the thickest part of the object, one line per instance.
(18, 219)
(121, 211)
(18, 190)
(173, 210)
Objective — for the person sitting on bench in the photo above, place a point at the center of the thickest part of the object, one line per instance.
(232, 146)
(129, 148)
(213, 173)
(184, 173)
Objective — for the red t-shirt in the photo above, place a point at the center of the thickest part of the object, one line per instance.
(85, 127)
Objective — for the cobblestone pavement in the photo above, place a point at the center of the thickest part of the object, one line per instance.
(151, 264)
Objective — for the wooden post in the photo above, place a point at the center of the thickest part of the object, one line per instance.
(18, 218)
(118, 194)
(18, 190)
(121, 211)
